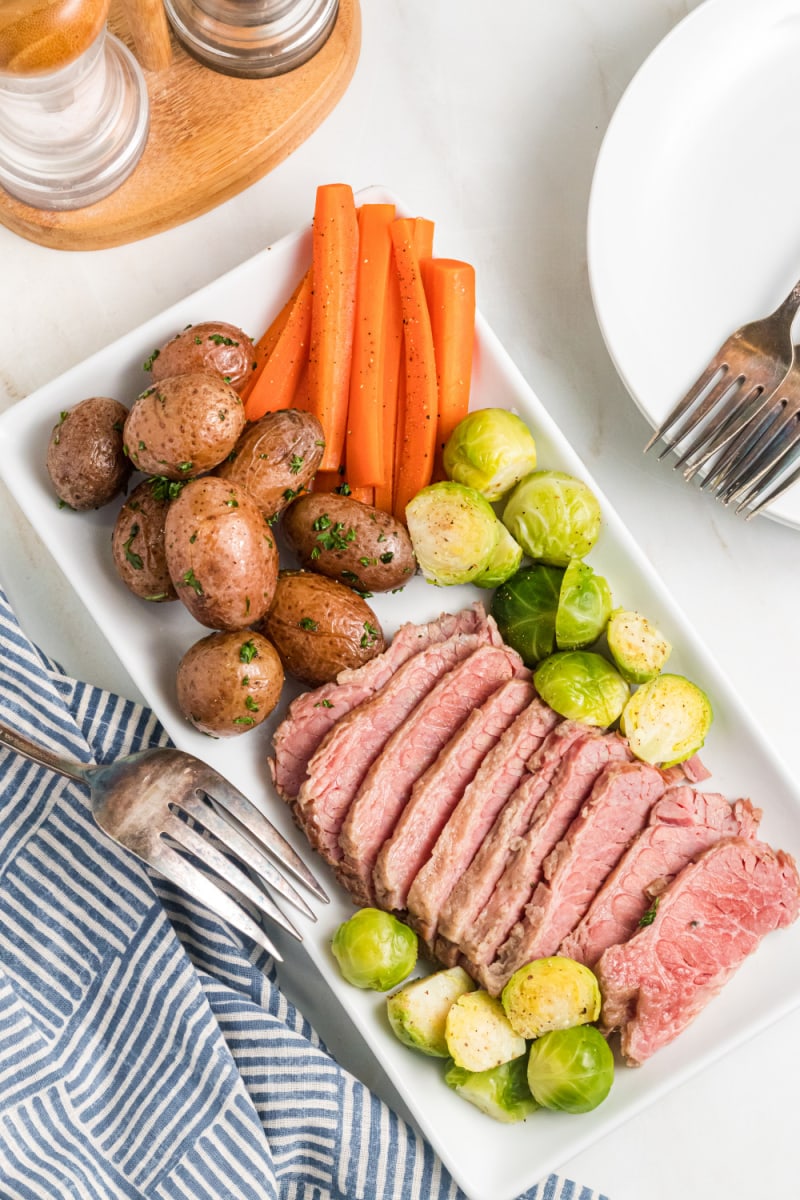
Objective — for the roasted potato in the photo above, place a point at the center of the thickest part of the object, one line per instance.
(319, 627)
(183, 426)
(229, 682)
(212, 346)
(221, 554)
(276, 458)
(85, 456)
(359, 545)
(137, 542)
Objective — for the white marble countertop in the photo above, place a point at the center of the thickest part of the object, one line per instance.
(488, 118)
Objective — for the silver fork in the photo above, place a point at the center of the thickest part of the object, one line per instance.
(139, 800)
(732, 391)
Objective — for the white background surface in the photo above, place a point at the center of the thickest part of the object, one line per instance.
(487, 118)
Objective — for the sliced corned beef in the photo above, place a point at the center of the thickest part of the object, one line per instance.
(411, 749)
(616, 810)
(495, 780)
(711, 917)
(437, 792)
(312, 714)
(572, 783)
(682, 824)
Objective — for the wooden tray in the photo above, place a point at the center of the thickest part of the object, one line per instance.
(211, 135)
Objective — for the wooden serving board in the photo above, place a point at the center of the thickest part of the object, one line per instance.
(211, 135)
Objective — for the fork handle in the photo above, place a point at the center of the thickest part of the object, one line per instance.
(38, 754)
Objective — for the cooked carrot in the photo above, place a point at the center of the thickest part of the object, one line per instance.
(334, 259)
(416, 432)
(364, 452)
(450, 292)
(423, 237)
(286, 352)
(268, 340)
(392, 359)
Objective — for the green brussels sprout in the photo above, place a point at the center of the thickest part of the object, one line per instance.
(584, 607)
(478, 1033)
(453, 530)
(583, 686)
(490, 450)
(501, 1092)
(525, 607)
(666, 720)
(553, 516)
(571, 1069)
(550, 993)
(374, 950)
(504, 562)
(417, 1013)
(637, 647)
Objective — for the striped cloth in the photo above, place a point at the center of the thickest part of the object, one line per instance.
(143, 1051)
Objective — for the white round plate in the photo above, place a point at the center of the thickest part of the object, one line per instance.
(694, 217)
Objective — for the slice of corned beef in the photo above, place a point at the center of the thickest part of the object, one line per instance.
(616, 810)
(338, 767)
(474, 889)
(436, 793)
(495, 780)
(711, 917)
(571, 785)
(312, 714)
(682, 824)
(411, 749)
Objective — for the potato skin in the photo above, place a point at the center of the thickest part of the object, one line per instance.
(212, 346)
(275, 458)
(359, 545)
(137, 544)
(86, 460)
(319, 627)
(228, 683)
(221, 554)
(183, 426)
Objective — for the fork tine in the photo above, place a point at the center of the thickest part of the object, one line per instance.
(774, 443)
(769, 497)
(773, 472)
(733, 422)
(682, 408)
(213, 858)
(177, 870)
(741, 451)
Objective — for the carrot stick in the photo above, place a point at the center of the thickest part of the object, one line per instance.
(277, 383)
(334, 259)
(416, 434)
(392, 357)
(450, 292)
(423, 237)
(364, 454)
(266, 344)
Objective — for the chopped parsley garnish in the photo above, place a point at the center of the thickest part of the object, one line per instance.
(132, 557)
(308, 623)
(296, 463)
(248, 651)
(191, 580)
(650, 915)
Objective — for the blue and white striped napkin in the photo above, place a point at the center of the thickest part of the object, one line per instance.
(143, 1051)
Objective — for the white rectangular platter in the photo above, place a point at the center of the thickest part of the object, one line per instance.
(489, 1160)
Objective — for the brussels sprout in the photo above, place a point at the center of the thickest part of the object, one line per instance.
(524, 608)
(553, 516)
(584, 606)
(374, 949)
(666, 720)
(636, 646)
(550, 993)
(478, 1033)
(571, 1069)
(417, 1013)
(454, 532)
(583, 686)
(501, 1092)
(505, 560)
(490, 450)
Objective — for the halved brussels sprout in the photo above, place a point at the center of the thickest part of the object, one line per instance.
(666, 720)
(571, 1069)
(417, 1013)
(453, 530)
(478, 1033)
(636, 646)
(374, 949)
(583, 686)
(525, 607)
(490, 450)
(505, 560)
(553, 516)
(584, 606)
(550, 993)
(501, 1092)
